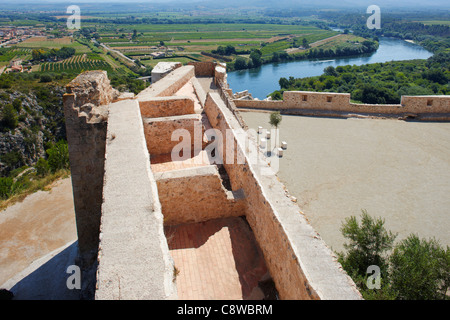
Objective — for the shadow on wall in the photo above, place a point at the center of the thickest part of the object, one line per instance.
(46, 278)
(247, 256)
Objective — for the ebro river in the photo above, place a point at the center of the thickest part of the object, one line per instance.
(264, 80)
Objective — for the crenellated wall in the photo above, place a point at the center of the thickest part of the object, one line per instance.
(338, 104)
(86, 114)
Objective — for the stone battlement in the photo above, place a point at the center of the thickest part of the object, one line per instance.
(339, 105)
(127, 189)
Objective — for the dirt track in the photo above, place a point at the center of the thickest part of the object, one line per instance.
(43, 222)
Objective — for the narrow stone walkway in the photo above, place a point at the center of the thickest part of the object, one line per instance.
(217, 260)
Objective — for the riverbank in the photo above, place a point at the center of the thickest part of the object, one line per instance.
(337, 46)
(264, 80)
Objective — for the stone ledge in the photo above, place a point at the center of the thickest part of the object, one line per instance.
(131, 222)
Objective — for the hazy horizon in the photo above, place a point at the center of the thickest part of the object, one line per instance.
(275, 4)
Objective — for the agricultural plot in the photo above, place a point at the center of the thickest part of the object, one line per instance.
(205, 37)
(75, 64)
(56, 43)
(6, 55)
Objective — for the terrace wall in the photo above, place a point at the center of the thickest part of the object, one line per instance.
(158, 133)
(183, 203)
(166, 106)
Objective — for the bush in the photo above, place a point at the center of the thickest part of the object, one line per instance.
(416, 269)
(42, 167)
(368, 244)
(9, 117)
(46, 78)
(58, 156)
(5, 187)
(420, 269)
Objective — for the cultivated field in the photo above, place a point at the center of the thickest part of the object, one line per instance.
(75, 64)
(55, 43)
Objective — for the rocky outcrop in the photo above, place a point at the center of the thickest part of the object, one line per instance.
(40, 120)
(92, 87)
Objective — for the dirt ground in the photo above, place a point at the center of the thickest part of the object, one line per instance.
(29, 230)
(396, 170)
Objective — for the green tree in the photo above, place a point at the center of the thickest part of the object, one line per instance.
(305, 43)
(42, 167)
(420, 269)
(240, 63)
(9, 116)
(274, 120)
(284, 83)
(330, 71)
(58, 156)
(229, 50)
(367, 244)
(255, 56)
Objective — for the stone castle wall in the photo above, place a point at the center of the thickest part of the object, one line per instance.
(121, 202)
(166, 106)
(159, 131)
(338, 104)
(85, 109)
(300, 264)
(208, 200)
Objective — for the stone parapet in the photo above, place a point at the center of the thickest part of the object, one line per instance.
(300, 263)
(339, 105)
(208, 200)
(133, 261)
(166, 106)
(86, 114)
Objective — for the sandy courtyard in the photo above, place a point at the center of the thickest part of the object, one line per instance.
(396, 170)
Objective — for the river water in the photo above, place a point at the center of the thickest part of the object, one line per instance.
(396, 170)
(264, 80)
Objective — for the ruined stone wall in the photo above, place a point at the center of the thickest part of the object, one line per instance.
(338, 104)
(166, 106)
(133, 259)
(196, 195)
(158, 132)
(203, 69)
(86, 124)
(260, 104)
(168, 85)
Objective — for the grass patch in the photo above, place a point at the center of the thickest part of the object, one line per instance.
(35, 184)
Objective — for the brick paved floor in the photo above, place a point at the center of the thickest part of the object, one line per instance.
(217, 259)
